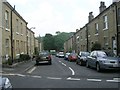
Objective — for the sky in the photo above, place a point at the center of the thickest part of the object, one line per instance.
(49, 16)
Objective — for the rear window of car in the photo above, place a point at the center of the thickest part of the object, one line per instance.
(85, 54)
(44, 53)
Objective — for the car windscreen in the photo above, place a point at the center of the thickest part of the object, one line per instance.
(101, 54)
(85, 54)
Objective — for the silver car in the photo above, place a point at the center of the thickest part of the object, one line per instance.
(82, 57)
(100, 60)
(5, 84)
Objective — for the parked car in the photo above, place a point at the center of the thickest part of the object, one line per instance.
(72, 57)
(82, 57)
(57, 54)
(5, 84)
(44, 57)
(61, 54)
(66, 56)
(100, 60)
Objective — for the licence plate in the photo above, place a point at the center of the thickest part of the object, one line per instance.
(115, 65)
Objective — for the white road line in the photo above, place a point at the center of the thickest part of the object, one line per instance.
(54, 78)
(76, 79)
(64, 64)
(114, 80)
(21, 75)
(96, 80)
(36, 76)
(10, 74)
(73, 73)
(30, 71)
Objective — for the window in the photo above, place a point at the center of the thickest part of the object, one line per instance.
(78, 38)
(96, 28)
(7, 19)
(105, 22)
(7, 46)
(81, 36)
(17, 25)
(105, 41)
(17, 46)
(21, 28)
(118, 11)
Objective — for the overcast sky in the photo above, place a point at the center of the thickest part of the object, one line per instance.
(49, 16)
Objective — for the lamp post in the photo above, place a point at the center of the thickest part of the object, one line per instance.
(12, 36)
(31, 39)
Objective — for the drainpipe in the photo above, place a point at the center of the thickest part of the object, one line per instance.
(12, 36)
(117, 35)
(87, 37)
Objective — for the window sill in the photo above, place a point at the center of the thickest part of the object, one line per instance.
(17, 33)
(96, 34)
(105, 29)
(7, 29)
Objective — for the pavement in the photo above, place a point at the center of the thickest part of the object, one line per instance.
(17, 67)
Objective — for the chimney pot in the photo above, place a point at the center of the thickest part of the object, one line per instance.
(102, 6)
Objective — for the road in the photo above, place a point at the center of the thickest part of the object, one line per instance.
(61, 74)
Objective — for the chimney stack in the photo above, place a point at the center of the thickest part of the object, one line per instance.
(90, 17)
(102, 6)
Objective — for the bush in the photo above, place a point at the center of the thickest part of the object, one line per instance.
(24, 57)
(96, 46)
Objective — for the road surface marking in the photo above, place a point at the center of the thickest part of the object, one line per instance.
(73, 73)
(76, 79)
(96, 80)
(36, 76)
(21, 75)
(10, 74)
(114, 80)
(64, 64)
(60, 61)
(30, 71)
(54, 78)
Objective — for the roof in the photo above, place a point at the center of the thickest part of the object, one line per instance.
(12, 9)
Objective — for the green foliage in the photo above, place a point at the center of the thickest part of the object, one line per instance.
(60, 39)
(96, 46)
(56, 42)
(36, 51)
(48, 42)
(24, 57)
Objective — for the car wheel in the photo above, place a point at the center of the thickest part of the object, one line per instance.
(76, 62)
(98, 67)
(37, 62)
(50, 63)
(87, 65)
(80, 63)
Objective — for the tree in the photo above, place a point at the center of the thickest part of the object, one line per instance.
(96, 46)
(56, 42)
(48, 42)
(58, 32)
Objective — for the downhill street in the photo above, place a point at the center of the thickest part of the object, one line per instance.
(61, 74)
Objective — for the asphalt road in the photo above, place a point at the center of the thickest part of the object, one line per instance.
(61, 74)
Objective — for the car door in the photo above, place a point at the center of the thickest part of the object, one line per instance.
(93, 59)
(90, 59)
